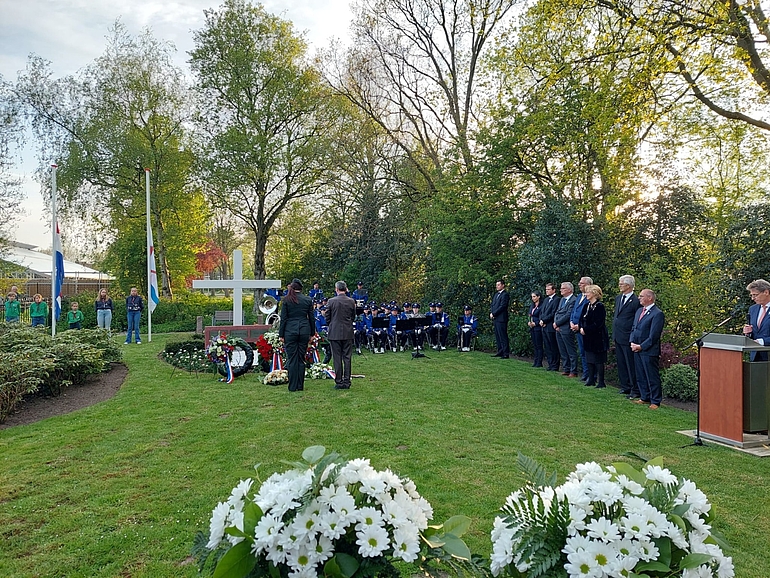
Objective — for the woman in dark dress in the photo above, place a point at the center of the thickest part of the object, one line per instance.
(535, 331)
(297, 325)
(595, 337)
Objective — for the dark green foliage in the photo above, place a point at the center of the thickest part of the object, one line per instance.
(189, 354)
(680, 382)
(32, 360)
(534, 473)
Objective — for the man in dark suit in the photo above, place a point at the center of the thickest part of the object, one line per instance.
(645, 343)
(564, 335)
(547, 313)
(341, 315)
(626, 304)
(499, 315)
(758, 327)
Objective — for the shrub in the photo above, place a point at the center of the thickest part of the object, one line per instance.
(680, 382)
(189, 355)
(670, 356)
(32, 359)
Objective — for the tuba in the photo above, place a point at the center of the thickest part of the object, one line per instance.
(269, 305)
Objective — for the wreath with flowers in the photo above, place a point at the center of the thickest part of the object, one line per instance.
(220, 349)
(326, 517)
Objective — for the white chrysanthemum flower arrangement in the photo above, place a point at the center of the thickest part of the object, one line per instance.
(607, 522)
(318, 371)
(329, 518)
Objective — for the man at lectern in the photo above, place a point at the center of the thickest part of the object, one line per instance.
(758, 327)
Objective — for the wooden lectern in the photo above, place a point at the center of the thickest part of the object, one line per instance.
(721, 386)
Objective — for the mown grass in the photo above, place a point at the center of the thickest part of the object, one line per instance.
(120, 488)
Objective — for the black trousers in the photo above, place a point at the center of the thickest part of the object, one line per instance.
(501, 337)
(342, 351)
(536, 333)
(296, 349)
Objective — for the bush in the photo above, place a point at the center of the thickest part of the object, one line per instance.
(680, 382)
(32, 359)
(189, 355)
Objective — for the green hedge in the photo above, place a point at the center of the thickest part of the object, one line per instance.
(31, 360)
(680, 382)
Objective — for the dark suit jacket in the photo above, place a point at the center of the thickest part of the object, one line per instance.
(647, 332)
(297, 318)
(592, 322)
(624, 317)
(762, 333)
(564, 312)
(341, 313)
(548, 311)
(500, 304)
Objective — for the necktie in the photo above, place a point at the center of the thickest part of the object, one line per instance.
(644, 310)
(761, 316)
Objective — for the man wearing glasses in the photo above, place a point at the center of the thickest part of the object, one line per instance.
(758, 326)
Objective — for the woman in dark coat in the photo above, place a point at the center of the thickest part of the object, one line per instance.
(595, 337)
(535, 331)
(297, 325)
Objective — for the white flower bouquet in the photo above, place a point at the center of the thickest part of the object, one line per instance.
(272, 338)
(277, 377)
(602, 522)
(318, 371)
(325, 517)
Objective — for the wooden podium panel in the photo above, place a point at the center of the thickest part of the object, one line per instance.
(721, 393)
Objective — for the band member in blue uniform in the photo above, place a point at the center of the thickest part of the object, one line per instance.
(380, 335)
(418, 337)
(359, 332)
(360, 294)
(467, 329)
(316, 293)
(439, 329)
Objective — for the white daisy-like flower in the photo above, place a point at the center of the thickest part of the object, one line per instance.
(332, 525)
(406, 544)
(606, 492)
(604, 556)
(239, 492)
(603, 529)
(372, 541)
(582, 565)
(369, 516)
(266, 531)
(629, 485)
(300, 557)
(658, 474)
(576, 544)
(648, 550)
(217, 524)
(635, 525)
(323, 548)
(699, 572)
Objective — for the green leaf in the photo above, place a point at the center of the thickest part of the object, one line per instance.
(717, 538)
(630, 472)
(252, 514)
(680, 510)
(233, 531)
(653, 566)
(313, 454)
(457, 525)
(664, 549)
(236, 563)
(435, 540)
(454, 546)
(694, 560)
(655, 462)
(341, 566)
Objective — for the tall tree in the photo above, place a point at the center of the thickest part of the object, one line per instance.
(263, 119)
(123, 113)
(413, 68)
(11, 136)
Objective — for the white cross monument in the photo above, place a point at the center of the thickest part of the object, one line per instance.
(237, 284)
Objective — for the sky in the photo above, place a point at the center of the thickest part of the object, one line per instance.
(72, 33)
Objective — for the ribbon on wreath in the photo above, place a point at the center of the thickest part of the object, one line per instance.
(312, 355)
(229, 377)
(277, 362)
(330, 373)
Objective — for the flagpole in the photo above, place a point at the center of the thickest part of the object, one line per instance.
(149, 248)
(53, 250)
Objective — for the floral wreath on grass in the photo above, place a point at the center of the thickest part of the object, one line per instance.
(220, 350)
(264, 349)
(326, 517)
(276, 377)
(601, 522)
(319, 371)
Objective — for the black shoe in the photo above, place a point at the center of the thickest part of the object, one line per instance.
(504, 357)
(536, 365)
(495, 355)
(601, 386)
(589, 383)
(621, 392)
(341, 387)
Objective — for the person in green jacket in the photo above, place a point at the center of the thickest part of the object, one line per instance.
(12, 309)
(75, 316)
(38, 311)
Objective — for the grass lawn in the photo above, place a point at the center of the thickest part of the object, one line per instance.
(120, 488)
